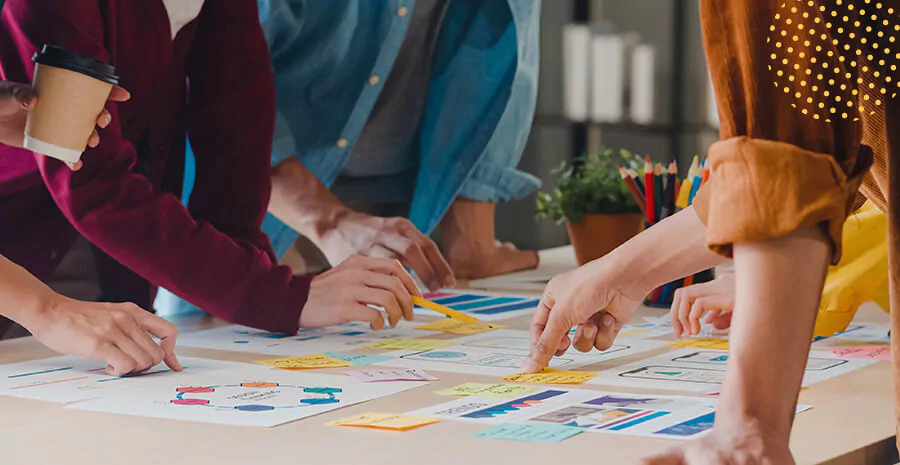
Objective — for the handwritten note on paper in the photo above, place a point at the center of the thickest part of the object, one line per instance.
(371, 376)
(359, 360)
(701, 343)
(499, 390)
(551, 376)
(410, 344)
(532, 432)
(385, 421)
(880, 353)
(449, 325)
(306, 362)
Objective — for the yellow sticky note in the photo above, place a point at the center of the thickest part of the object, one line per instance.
(701, 343)
(449, 325)
(551, 376)
(306, 362)
(410, 344)
(385, 421)
(499, 390)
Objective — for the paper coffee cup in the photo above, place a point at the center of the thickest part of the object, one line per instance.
(72, 90)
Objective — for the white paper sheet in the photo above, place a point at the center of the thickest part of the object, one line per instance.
(696, 370)
(501, 353)
(644, 415)
(73, 379)
(307, 341)
(487, 306)
(857, 333)
(244, 397)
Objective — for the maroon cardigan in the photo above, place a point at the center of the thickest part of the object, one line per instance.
(125, 199)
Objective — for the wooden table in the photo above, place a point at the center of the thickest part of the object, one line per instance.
(850, 424)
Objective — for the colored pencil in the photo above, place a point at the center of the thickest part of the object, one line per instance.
(632, 187)
(445, 310)
(669, 195)
(649, 194)
(684, 193)
(695, 185)
(659, 179)
(705, 172)
(637, 180)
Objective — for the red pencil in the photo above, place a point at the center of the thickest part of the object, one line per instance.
(649, 191)
(633, 188)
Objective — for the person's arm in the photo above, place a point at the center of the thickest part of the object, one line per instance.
(614, 286)
(302, 202)
(118, 334)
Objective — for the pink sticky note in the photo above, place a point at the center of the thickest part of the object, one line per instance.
(881, 353)
(370, 376)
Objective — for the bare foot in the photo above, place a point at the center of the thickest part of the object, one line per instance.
(469, 245)
(747, 445)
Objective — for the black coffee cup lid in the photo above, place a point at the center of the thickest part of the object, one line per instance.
(61, 58)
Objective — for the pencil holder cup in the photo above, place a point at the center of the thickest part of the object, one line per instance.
(662, 296)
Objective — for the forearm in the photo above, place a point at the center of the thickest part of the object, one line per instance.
(777, 292)
(302, 202)
(672, 249)
(22, 296)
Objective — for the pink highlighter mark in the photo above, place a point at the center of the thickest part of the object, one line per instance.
(437, 295)
(190, 402)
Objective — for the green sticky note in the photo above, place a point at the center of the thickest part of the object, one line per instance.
(531, 432)
(359, 360)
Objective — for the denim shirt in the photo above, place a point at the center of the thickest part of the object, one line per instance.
(331, 59)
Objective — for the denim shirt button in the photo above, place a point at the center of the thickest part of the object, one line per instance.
(374, 79)
(342, 143)
(402, 11)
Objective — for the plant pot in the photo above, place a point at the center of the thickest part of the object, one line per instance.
(597, 235)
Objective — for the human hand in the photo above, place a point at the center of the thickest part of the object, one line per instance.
(115, 333)
(393, 238)
(17, 99)
(714, 298)
(344, 293)
(588, 297)
(746, 443)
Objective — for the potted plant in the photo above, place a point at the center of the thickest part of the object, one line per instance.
(595, 203)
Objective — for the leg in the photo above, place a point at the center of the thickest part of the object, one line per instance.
(470, 246)
(778, 287)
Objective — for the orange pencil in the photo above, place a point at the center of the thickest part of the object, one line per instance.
(705, 173)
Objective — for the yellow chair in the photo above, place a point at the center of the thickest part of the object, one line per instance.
(862, 274)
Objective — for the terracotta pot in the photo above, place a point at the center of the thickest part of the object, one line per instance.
(597, 235)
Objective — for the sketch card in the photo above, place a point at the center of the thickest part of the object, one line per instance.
(243, 397)
(72, 379)
(501, 353)
(307, 341)
(487, 306)
(693, 370)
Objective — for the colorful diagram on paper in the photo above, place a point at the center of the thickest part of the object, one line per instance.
(485, 306)
(255, 396)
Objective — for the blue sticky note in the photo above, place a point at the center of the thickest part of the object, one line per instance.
(359, 360)
(532, 432)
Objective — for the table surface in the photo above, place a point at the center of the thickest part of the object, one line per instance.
(851, 423)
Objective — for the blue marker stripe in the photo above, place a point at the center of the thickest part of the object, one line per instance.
(52, 370)
(459, 299)
(508, 308)
(487, 303)
(638, 421)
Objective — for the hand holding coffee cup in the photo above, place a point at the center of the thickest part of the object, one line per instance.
(72, 90)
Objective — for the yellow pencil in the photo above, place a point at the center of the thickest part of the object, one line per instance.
(445, 310)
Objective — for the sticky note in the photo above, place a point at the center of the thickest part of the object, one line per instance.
(881, 353)
(532, 432)
(359, 360)
(371, 376)
(701, 343)
(410, 344)
(385, 421)
(499, 390)
(551, 376)
(632, 332)
(449, 325)
(306, 362)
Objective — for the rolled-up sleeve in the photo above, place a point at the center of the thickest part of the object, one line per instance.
(778, 166)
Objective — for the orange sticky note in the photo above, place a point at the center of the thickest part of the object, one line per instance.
(387, 421)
